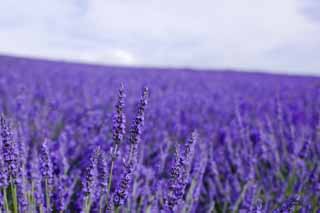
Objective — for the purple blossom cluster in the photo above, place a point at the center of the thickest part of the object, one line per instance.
(77, 138)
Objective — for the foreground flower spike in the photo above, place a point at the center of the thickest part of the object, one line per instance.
(3, 186)
(34, 177)
(102, 178)
(179, 173)
(22, 174)
(121, 195)
(200, 164)
(46, 173)
(118, 132)
(257, 208)
(89, 180)
(137, 126)
(10, 160)
(103, 171)
(3, 174)
(9, 151)
(119, 120)
(289, 205)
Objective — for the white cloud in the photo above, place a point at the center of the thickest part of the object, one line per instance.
(245, 34)
(113, 56)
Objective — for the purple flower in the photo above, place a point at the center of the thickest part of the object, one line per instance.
(119, 119)
(121, 194)
(303, 153)
(257, 208)
(103, 171)
(45, 162)
(46, 173)
(63, 186)
(180, 173)
(9, 151)
(90, 173)
(22, 174)
(118, 131)
(289, 205)
(35, 178)
(3, 174)
(137, 126)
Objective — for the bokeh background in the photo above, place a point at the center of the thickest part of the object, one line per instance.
(279, 36)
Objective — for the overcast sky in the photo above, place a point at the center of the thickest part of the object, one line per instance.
(272, 35)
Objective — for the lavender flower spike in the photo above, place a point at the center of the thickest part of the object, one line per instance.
(179, 174)
(89, 179)
(121, 194)
(119, 119)
(3, 174)
(46, 173)
(118, 131)
(45, 162)
(9, 151)
(103, 171)
(10, 159)
(288, 205)
(102, 177)
(136, 128)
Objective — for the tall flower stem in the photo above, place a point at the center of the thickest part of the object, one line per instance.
(5, 199)
(41, 209)
(47, 191)
(89, 179)
(101, 208)
(118, 132)
(31, 199)
(110, 175)
(121, 194)
(117, 209)
(87, 204)
(240, 198)
(14, 198)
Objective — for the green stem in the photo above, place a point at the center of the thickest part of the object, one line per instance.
(87, 204)
(14, 198)
(189, 199)
(148, 208)
(117, 209)
(32, 202)
(151, 200)
(238, 202)
(225, 205)
(109, 183)
(139, 205)
(40, 209)
(101, 208)
(212, 207)
(133, 200)
(5, 199)
(110, 176)
(32, 199)
(47, 191)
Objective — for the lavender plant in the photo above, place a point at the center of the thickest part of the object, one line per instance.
(64, 145)
(118, 131)
(121, 195)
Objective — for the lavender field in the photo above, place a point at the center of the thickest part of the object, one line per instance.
(85, 138)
